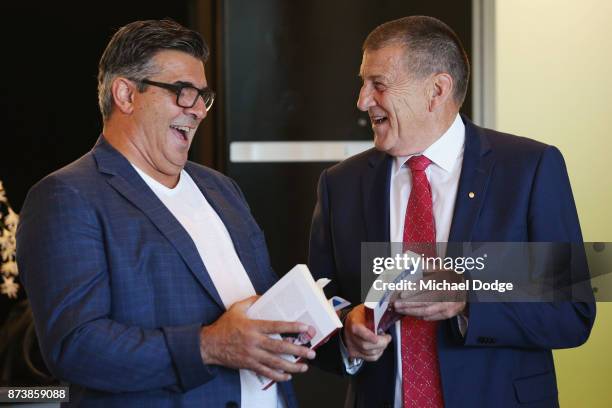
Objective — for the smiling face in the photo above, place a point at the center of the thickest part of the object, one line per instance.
(397, 103)
(162, 131)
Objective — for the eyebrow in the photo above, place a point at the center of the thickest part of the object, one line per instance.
(187, 83)
(373, 77)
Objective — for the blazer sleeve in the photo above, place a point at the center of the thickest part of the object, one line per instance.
(552, 217)
(322, 265)
(61, 257)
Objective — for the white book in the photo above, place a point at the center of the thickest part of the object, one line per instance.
(296, 297)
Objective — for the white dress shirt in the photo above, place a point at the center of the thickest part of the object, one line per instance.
(446, 155)
(189, 206)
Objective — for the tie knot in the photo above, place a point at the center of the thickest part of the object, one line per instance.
(418, 163)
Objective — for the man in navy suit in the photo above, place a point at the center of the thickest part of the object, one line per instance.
(139, 264)
(436, 177)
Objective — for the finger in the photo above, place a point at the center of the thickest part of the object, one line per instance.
(427, 310)
(439, 311)
(246, 303)
(278, 363)
(373, 355)
(274, 375)
(366, 349)
(277, 327)
(361, 333)
(407, 309)
(373, 351)
(400, 304)
(410, 294)
(380, 344)
(446, 311)
(419, 311)
(416, 296)
(358, 349)
(284, 347)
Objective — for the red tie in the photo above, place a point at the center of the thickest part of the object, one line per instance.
(421, 386)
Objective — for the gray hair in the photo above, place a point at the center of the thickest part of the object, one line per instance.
(131, 50)
(431, 47)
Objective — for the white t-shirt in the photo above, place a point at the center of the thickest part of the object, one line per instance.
(189, 206)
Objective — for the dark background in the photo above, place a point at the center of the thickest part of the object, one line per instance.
(289, 72)
(48, 98)
(283, 71)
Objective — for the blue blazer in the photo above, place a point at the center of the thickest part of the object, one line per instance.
(522, 194)
(118, 290)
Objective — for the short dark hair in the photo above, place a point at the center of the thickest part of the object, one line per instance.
(130, 51)
(431, 47)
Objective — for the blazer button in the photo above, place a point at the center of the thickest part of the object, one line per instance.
(481, 340)
(231, 404)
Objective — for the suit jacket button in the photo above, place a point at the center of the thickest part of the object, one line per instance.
(481, 340)
(231, 404)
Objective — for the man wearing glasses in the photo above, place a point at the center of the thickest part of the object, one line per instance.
(139, 264)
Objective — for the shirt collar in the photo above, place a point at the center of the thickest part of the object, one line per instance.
(444, 152)
(156, 185)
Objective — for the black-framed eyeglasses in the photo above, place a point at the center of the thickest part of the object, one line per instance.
(186, 95)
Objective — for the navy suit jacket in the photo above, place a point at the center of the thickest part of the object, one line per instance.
(521, 194)
(118, 290)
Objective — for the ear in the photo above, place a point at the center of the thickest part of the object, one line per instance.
(123, 91)
(440, 90)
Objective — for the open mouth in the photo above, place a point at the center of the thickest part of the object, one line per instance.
(181, 131)
(378, 120)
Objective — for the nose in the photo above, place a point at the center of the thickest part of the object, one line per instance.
(366, 98)
(198, 111)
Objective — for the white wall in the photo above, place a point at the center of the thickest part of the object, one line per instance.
(554, 84)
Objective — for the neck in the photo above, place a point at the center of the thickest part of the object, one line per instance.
(121, 136)
(443, 123)
(431, 131)
(439, 125)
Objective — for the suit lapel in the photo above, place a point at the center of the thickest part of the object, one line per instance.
(130, 185)
(237, 228)
(478, 161)
(375, 197)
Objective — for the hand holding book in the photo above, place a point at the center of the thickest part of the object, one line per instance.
(359, 339)
(296, 298)
(236, 341)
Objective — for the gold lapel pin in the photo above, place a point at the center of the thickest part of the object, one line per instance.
(471, 194)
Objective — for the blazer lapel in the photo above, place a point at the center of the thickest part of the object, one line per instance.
(375, 197)
(237, 228)
(478, 161)
(130, 185)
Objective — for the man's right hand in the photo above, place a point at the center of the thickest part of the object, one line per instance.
(236, 341)
(360, 341)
